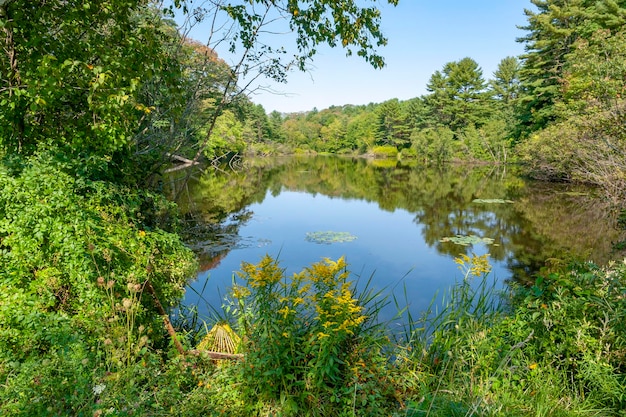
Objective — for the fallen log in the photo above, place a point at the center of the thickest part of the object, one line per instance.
(186, 163)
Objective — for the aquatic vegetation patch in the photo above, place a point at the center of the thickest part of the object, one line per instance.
(328, 237)
(466, 240)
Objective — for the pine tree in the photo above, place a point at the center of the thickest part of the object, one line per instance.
(553, 29)
(458, 96)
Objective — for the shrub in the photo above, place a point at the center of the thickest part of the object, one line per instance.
(78, 257)
(310, 347)
(587, 148)
(385, 151)
(408, 153)
(433, 144)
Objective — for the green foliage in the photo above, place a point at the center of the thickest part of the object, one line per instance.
(505, 85)
(586, 143)
(585, 148)
(491, 142)
(457, 95)
(595, 71)
(392, 125)
(310, 346)
(433, 144)
(553, 30)
(385, 151)
(78, 85)
(555, 348)
(76, 257)
(225, 136)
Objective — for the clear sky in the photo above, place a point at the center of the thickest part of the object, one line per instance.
(423, 36)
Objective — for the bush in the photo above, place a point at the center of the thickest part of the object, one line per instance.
(433, 144)
(408, 153)
(385, 151)
(79, 260)
(310, 346)
(587, 148)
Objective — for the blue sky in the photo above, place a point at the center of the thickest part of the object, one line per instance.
(423, 35)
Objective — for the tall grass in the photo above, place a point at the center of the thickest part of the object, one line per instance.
(312, 346)
(548, 350)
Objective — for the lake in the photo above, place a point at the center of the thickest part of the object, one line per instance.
(399, 224)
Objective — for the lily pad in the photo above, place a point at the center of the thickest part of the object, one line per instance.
(491, 201)
(464, 240)
(329, 237)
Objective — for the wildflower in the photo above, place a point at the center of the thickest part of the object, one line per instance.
(304, 289)
(285, 311)
(476, 265)
(480, 265)
(127, 303)
(462, 260)
(98, 389)
(239, 292)
(267, 272)
(533, 366)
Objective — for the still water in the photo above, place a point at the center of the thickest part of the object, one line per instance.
(401, 225)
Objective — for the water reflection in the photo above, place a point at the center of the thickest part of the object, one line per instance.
(529, 222)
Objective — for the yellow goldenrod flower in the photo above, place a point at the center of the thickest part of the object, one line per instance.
(239, 292)
(476, 265)
(285, 311)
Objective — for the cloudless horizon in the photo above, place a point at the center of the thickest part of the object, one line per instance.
(422, 37)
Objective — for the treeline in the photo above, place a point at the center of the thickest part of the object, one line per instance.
(463, 116)
(559, 108)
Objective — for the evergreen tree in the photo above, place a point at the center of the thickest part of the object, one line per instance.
(276, 131)
(392, 125)
(505, 85)
(458, 96)
(553, 29)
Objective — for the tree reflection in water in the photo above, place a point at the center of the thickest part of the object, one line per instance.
(543, 221)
